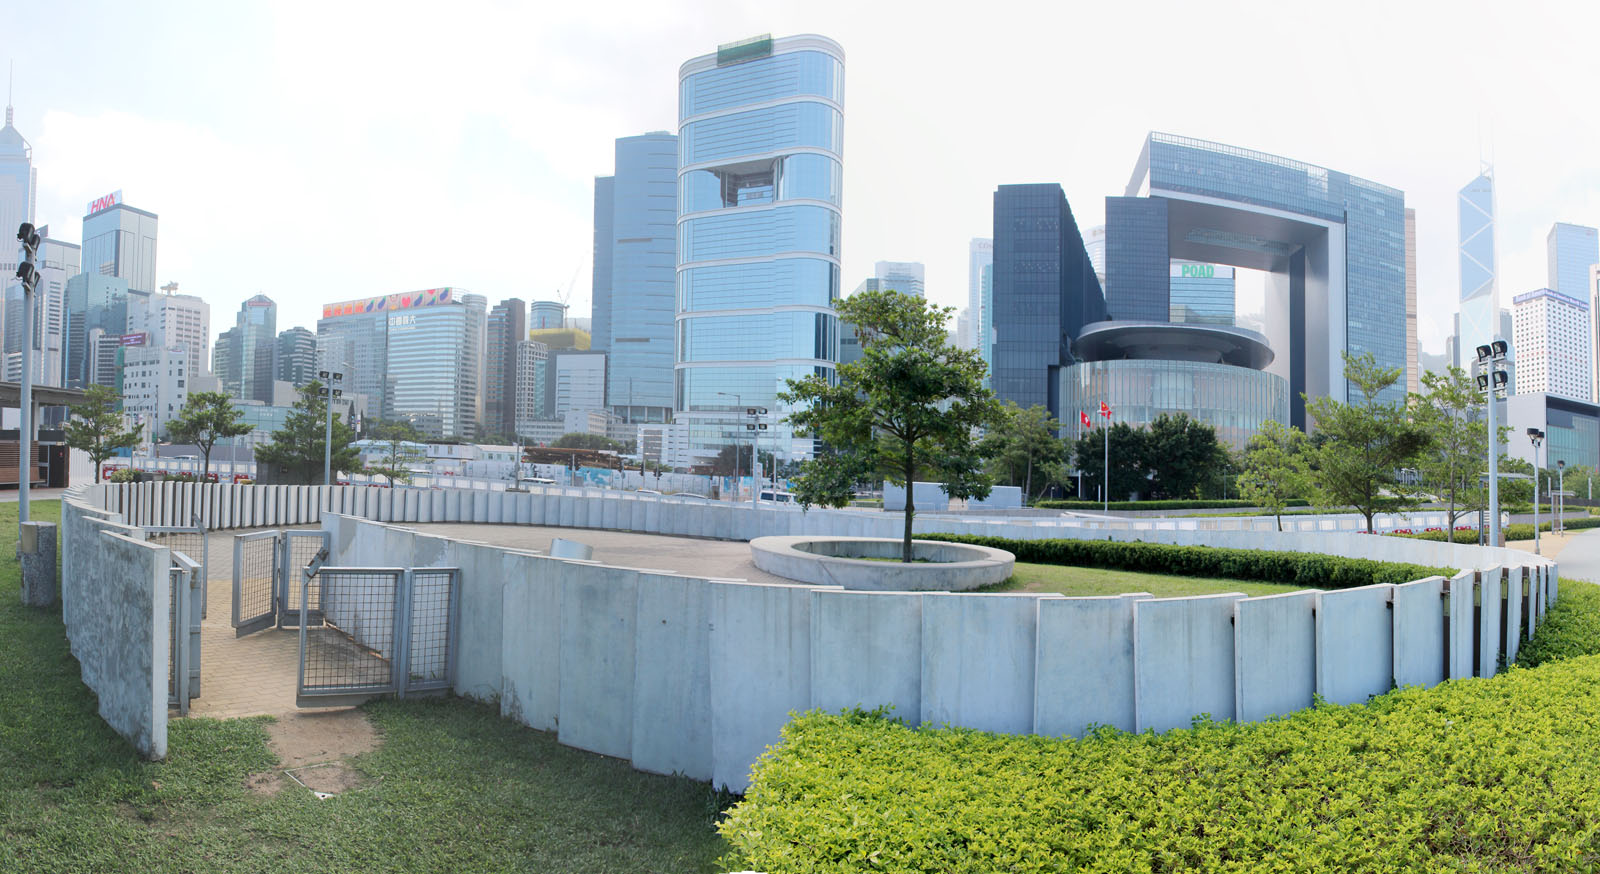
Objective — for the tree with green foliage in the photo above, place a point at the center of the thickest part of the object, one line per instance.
(1129, 475)
(907, 408)
(1276, 468)
(297, 448)
(206, 417)
(734, 460)
(1364, 444)
(1023, 443)
(583, 440)
(1451, 413)
(1182, 455)
(400, 450)
(96, 426)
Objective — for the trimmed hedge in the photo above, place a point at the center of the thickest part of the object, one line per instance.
(1519, 531)
(1313, 570)
(1470, 775)
(1159, 505)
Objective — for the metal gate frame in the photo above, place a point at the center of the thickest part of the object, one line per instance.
(291, 572)
(204, 558)
(248, 625)
(400, 682)
(183, 639)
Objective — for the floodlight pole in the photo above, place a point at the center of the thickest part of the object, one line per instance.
(1535, 436)
(28, 237)
(1489, 355)
(1561, 496)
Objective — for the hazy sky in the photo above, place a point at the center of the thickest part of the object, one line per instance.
(325, 151)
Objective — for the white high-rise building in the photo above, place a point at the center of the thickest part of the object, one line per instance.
(980, 296)
(19, 185)
(172, 319)
(1094, 243)
(155, 385)
(905, 277)
(1552, 334)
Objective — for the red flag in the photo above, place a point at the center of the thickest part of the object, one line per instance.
(1105, 409)
(1084, 417)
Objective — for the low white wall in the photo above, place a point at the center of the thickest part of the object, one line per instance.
(697, 676)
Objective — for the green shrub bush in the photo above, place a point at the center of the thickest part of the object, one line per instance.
(1471, 775)
(1159, 505)
(1571, 628)
(1313, 570)
(1519, 531)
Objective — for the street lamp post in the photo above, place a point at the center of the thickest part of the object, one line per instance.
(1535, 436)
(331, 394)
(1561, 495)
(1491, 382)
(28, 274)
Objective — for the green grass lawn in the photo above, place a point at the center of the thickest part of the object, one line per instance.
(452, 788)
(1100, 581)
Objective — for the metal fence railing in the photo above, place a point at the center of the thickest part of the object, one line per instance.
(183, 615)
(255, 581)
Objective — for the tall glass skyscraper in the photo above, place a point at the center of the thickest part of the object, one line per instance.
(18, 191)
(1480, 294)
(980, 297)
(1572, 250)
(635, 275)
(120, 240)
(761, 140)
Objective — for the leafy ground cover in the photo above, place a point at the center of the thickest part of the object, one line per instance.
(1471, 775)
(452, 788)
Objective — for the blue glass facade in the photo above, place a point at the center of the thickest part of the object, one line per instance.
(1136, 259)
(1572, 250)
(1045, 291)
(1237, 401)
(759, 195)
(93, 302)
(435, 359)
(1355, 291)
(636, 213)
(1201, 294)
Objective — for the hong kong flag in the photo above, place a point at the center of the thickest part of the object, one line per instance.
(1105, 409)
(1084, 417)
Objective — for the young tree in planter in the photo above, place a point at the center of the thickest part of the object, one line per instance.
(907, 408)
(1364, 444)
(297, 448)
(206, 417)
(399, 453)
(96, 427)
(1275, 468)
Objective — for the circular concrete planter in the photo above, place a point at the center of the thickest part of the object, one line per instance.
(839, 561)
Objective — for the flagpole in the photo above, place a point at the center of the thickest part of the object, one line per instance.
(1107, 494)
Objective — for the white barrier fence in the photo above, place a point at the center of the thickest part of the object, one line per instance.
(696, 676)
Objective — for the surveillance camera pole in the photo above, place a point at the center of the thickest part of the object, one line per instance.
(29, 274)
(327, 443)
(1490, 356)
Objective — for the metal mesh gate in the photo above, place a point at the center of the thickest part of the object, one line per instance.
(255, 581)
(300, 549)
(183, 641)
(192, 543)
(379, 631)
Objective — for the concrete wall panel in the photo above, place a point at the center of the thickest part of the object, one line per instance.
(1492, 605)
(1274, 655)
(760, 671)
(1514, 625)
(1183, 660)
(978, 654)
(672, 676)
(1083, 672)
(866, 651)
(598, 612)
(1355, 643)
(1462, 624)
(531, 642)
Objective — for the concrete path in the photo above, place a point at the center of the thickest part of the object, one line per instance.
(1580, 558)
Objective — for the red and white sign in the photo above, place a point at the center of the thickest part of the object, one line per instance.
(101, 204)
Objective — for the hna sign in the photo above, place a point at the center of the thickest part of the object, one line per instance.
(1199, 271)
(101, 204)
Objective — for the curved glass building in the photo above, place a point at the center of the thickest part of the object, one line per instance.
(1213, 374)
(760, 146)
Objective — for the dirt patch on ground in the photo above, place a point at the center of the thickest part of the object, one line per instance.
(322, 738)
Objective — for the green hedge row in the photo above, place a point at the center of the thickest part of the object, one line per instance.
(1313, 570)
(1418, 779)
(1519, 531)
(1158, 505)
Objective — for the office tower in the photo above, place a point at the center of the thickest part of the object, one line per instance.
(96, 306)
(58, 262)
(761, 139)
(1552, 333)
(1594, 316)
(19, 185)
(173, 319)
(1413, 346)
(155, 383)
(1200, 294)
(635, 275)
(963, 329)
(547, 315)
(580, 381)
(531, 401)
(297, 357)
(435, 360)
(1333, 247)
(352, 338)
(1045, 291)
(905, 277)
(507, 326)
(248, 365)
(105, 359)
(980, 259)
(1570, 251)
(120, 240)
(1480, 293)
